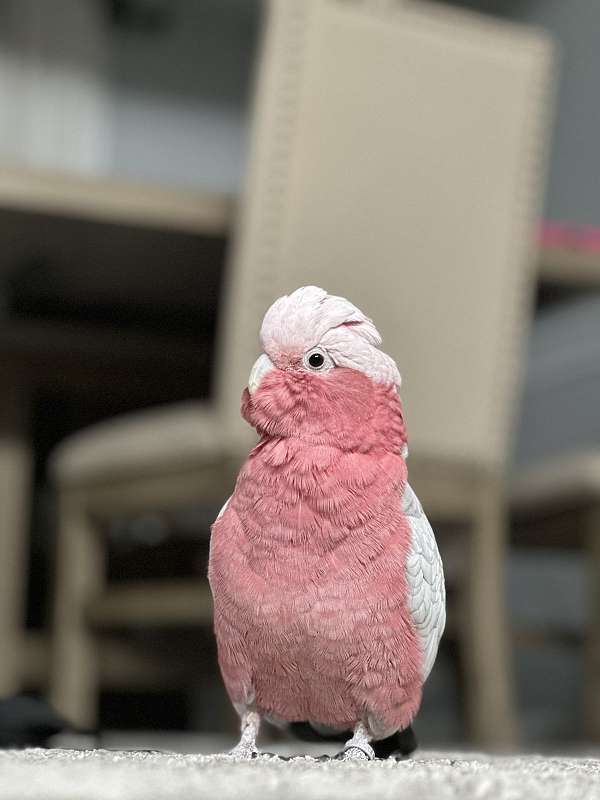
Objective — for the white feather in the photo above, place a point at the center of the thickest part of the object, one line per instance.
(425, 580)
(222, 511)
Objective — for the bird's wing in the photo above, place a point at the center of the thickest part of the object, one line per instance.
(425, 580)
(222, 511)
(219, 515)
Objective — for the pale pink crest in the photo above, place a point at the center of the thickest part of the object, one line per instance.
(308, 317)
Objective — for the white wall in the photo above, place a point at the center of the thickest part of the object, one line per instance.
(181, 98)
(77, 93)
(54, 89)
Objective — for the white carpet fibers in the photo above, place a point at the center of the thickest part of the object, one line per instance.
(125, 775)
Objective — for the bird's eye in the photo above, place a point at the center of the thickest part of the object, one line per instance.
(317, 360)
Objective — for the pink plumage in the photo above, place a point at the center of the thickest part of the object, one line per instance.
(328, 588)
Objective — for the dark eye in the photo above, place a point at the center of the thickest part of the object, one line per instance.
(317, 360)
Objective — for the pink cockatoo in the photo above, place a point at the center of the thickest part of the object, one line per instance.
(328, 587)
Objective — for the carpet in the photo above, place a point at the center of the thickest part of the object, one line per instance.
(137, 775)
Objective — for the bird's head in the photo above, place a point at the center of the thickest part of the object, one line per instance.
(322, 377)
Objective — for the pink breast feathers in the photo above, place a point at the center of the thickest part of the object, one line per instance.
(308, 569)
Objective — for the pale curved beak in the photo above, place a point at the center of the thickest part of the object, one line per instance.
(262, 366)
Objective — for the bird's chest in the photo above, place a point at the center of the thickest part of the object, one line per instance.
(305, 539)
(296, 600)
(297, 622)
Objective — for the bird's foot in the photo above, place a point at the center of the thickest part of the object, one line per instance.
(354, 752)
(358, 748)
(244, 752)
(245, 749)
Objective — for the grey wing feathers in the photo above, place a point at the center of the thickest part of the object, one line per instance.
(425, 580)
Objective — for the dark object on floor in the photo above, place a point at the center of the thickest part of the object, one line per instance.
(28, 722)
(400, 744)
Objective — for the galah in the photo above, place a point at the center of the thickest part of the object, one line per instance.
(328, 587)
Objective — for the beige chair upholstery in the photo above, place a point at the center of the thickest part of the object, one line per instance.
(147, 442)
(396, 158)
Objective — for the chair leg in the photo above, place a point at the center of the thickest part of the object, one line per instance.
(15, 474)
(491, 716)
(592, 645)
(80, 576)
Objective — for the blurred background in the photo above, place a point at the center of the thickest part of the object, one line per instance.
(166, 170)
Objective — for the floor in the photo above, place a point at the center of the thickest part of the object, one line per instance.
(61, 774)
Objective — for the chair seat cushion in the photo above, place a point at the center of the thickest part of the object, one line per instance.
(167, 437)
(573, 477)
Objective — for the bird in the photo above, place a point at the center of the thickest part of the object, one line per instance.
(327, 583)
